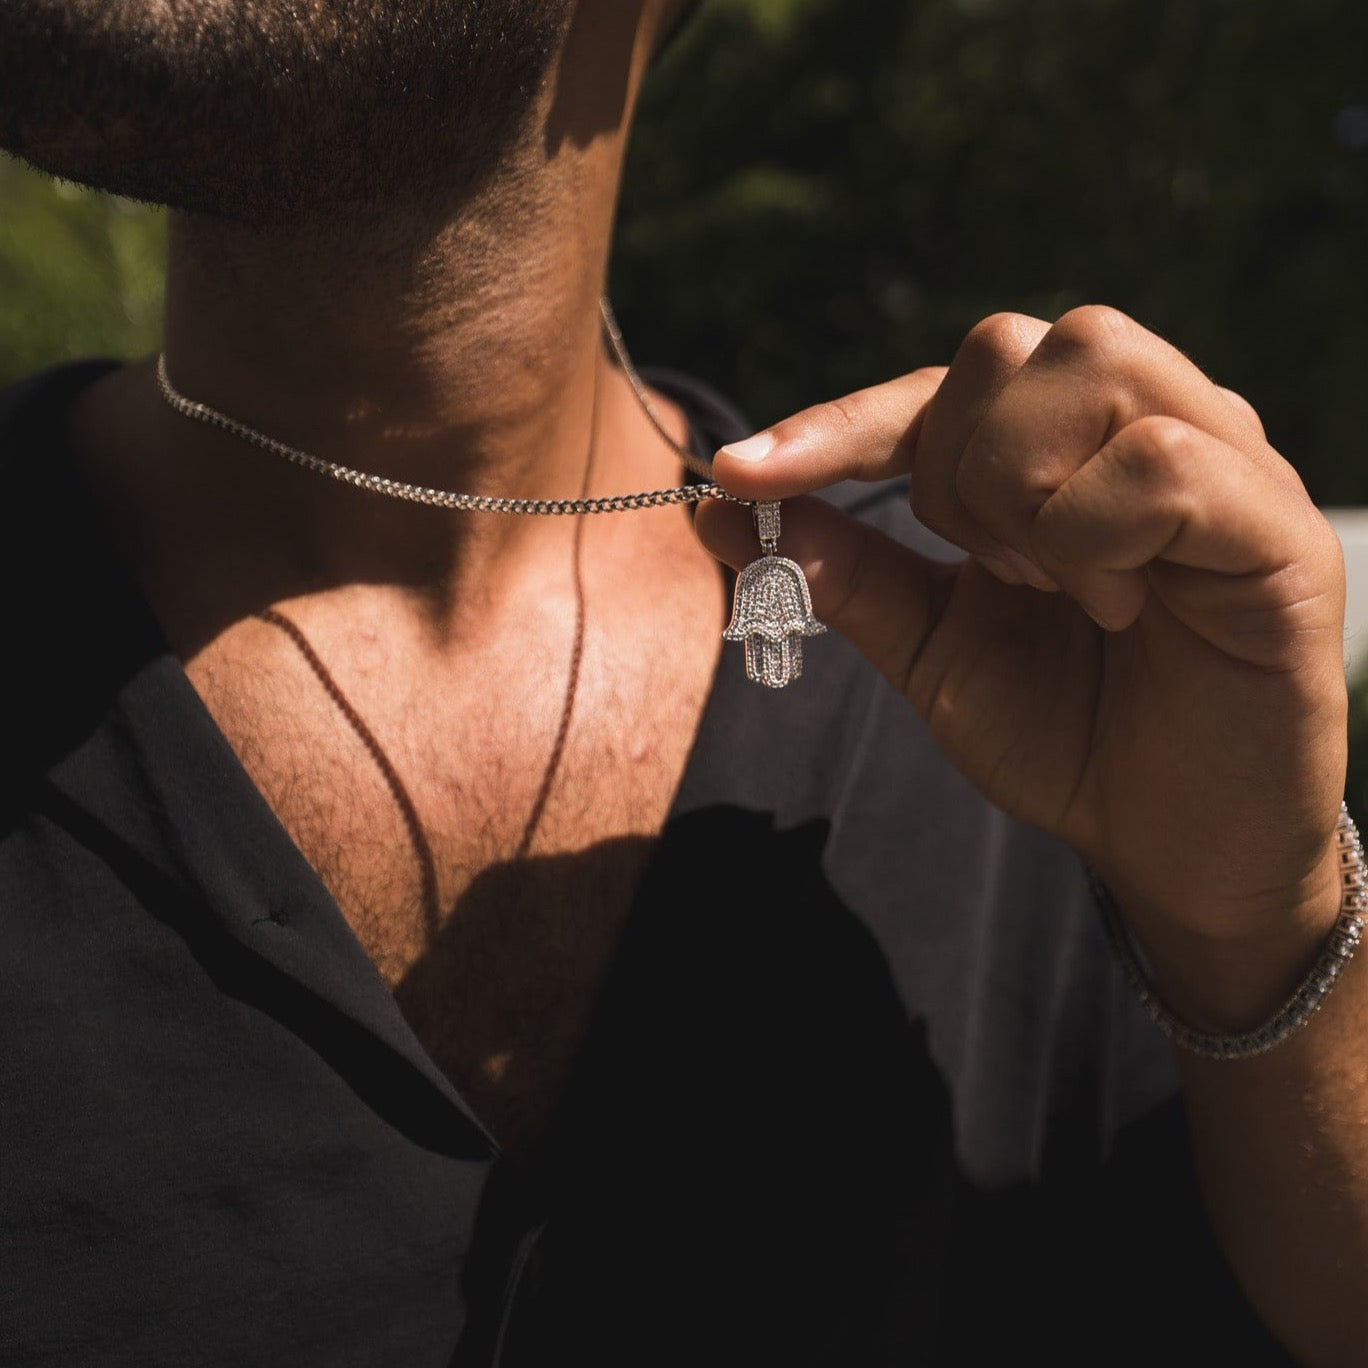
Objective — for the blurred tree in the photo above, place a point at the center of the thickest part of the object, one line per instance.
(822, 193)
(80, 273)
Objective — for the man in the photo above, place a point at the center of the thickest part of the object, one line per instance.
(424, 945)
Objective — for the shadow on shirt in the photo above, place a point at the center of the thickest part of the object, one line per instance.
(755, 1164)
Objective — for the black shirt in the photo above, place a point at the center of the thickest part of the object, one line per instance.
(863, 1086)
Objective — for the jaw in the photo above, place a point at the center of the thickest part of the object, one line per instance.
(269, 111)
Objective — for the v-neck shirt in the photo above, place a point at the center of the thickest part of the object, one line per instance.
(863, 1085)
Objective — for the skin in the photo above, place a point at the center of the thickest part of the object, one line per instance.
(1141, 652)
(450, 346)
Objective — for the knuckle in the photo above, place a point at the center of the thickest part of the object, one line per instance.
(1155, 449)
(1095, 327)
(845, 416)
(1246, 410)
(831, 421)
(1001, 337)
(1323, 540)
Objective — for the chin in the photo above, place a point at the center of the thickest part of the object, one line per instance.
(265, 111)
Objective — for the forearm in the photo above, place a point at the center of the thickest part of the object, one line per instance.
(1279, 1140)
(1280, 1147)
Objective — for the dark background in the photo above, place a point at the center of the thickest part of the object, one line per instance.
(823, 193)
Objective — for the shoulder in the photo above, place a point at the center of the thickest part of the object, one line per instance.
(33, 408)
(67, 627)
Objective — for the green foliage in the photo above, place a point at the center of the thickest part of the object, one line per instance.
(80, 273)
(824, 193)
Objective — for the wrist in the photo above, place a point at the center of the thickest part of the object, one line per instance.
(1235, 995)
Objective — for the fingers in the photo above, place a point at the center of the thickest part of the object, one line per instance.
(1017, 427)
(987, 362)
(1164, 508)
(1005, 432)
(873, 590)
(1247, 413)
(1166, 496)
(1090, 375)
(868, 435)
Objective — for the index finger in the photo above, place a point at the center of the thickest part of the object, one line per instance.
(868, 435)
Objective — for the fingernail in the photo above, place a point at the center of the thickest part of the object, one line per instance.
(752, 449)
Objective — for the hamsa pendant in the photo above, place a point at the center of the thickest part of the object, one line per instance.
(772, 609)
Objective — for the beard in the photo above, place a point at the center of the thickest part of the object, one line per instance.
(275, 112)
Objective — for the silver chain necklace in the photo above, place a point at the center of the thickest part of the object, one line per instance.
(772, 608)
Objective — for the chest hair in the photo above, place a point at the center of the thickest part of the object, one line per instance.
(493, 906)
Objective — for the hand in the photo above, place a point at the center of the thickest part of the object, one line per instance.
(1142, 652)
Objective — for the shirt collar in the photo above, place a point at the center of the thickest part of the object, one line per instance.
(113, 743)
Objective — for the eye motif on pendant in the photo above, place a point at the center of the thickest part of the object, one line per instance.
(772, 609)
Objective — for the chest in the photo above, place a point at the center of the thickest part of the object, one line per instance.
(483, 833)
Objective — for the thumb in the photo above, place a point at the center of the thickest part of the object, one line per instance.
(879, 594)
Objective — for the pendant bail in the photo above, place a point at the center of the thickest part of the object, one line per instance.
(766, 517)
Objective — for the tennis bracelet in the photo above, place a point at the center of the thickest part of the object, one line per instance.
(1337, 951)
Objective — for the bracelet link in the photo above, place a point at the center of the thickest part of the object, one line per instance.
(1335, 954)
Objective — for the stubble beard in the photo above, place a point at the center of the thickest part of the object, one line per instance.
(275, 113)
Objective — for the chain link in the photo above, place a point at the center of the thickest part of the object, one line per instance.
(468, 503)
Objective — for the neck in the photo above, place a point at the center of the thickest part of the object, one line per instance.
(463, 353)
(460, 354)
